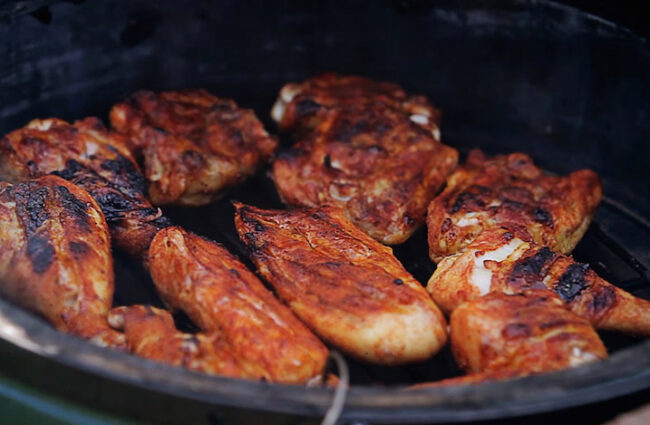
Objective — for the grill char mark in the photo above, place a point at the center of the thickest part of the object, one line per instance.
(306, 107)
(32, 211)
(572, 282)
(115, 202)
(75, 207)
(114, 206)
(530, 271)
(124, 170)
(78, 247)
(543, 216)
(40, 252)
(71, 171)
(469, 201)
(345, 130)
(30, 206)
(603, 299)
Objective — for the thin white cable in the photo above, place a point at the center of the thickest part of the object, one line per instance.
(340, 392)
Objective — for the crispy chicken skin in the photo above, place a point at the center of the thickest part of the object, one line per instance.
(347, 287)
(501, 336)
(55, 256)
(193, 145)
(151, 333)
(499, 261)
(219, 294)
(96, 160)
(510, 191)
(302, 107)
(364, 146)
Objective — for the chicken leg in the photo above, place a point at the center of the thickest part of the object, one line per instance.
(55, 256)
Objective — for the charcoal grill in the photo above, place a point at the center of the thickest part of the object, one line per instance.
(570, 89)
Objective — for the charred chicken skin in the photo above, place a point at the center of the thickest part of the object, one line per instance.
(347, 287)
(500, 336)
(193, 145)
(55, 256)
(499, 261)
(96, 160)
(366, 147)
(151, 333)
(510, 191)
(222, 296)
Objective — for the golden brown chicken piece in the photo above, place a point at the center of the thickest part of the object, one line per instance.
(531, 332)
(369, 153)
(193, 145)
(55, 256)
(347, 287)
(267, 338)
(501, 336)
(498, 261)
(96, 160)
(302, 107)
(219, 294)
(151, 333)
(510, 191)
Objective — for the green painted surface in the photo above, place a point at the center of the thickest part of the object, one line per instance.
(22, 405)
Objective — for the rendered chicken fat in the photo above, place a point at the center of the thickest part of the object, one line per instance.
(481, 275)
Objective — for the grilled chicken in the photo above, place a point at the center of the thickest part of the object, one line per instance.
(500, 336)
(55, 256)
(499, 261)
(193, 145)
(270, 341)
(365, 147)
(86, 154)
(532, 332)
(510, 191)
(151, 333)
(302, 107)
(219, 294)
(348, 288)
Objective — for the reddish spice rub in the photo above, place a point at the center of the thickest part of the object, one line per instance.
(222, 296)
(151, 333)
(192, 145)
(55, 256)
(302, 107)
(498, 261)
(501, 336)
(364, 146)
(509, 191)
(96, 160)
(347, 287)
